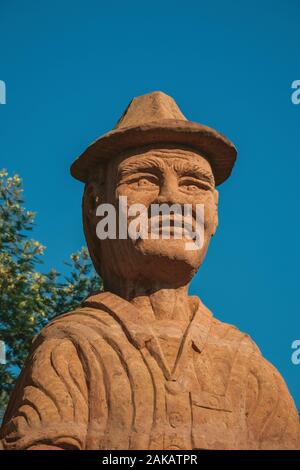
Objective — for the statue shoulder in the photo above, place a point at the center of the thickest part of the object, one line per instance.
(234, 337)
(52, 392)
(77, 321)
(270, 409)
(271, 414)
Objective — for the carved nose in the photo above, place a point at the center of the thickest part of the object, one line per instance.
(168, 191)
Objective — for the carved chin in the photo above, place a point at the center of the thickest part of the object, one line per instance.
(170, 257)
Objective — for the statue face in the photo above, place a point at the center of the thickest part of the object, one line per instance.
(156, 176)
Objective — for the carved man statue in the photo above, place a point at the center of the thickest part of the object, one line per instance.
(143, 365)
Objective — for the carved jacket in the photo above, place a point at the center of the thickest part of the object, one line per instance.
(97, 378)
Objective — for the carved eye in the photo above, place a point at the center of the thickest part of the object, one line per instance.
(193, 185)
(190, 187)
(146, 182)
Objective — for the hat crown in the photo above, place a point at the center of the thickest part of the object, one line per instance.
(154, 119)
(155, 106)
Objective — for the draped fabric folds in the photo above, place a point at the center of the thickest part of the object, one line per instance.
(97, 378)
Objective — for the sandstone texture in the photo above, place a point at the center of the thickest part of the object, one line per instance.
(144, 365)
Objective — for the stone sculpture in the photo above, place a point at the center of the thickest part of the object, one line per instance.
(143, 365)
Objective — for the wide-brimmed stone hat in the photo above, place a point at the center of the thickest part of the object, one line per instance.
(151, 119)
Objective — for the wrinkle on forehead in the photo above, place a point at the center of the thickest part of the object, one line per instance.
(184, 162)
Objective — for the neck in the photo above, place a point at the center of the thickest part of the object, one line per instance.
(157, 301)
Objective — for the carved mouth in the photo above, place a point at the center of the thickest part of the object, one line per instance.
(172, 225)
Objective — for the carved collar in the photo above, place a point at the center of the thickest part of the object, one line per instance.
(142, 334)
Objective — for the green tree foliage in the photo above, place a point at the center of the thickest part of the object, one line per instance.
(28, 297)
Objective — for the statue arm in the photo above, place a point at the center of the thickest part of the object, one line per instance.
(272, 417)
(49, 407)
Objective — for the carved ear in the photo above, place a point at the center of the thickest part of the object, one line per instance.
(216, 217)
(92, 197)
(93, 194)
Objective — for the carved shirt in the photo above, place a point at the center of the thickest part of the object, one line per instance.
(97, 378)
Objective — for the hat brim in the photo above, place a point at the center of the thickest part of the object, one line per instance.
(214, 146)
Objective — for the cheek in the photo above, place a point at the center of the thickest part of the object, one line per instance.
(209, 214)
(209, 208)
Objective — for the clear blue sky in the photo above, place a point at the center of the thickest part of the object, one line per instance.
(71, 68)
